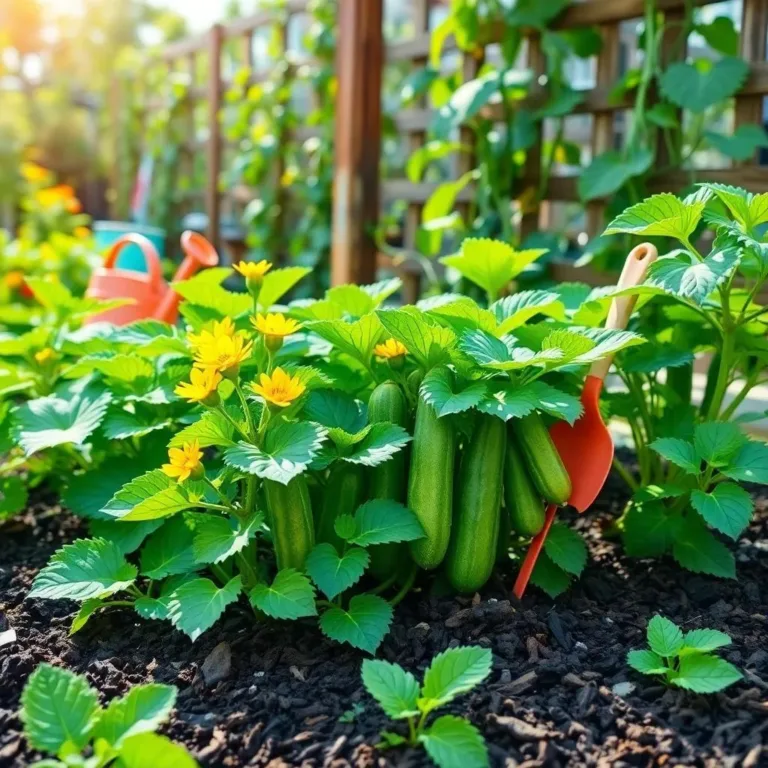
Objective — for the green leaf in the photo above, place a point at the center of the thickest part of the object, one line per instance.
(357, 338)
(531, 13)
(727, 508)
(518, 309)
(699, 551)
(654, 357)
(124, 368)
(452, 742)
(86, 610)
(663, 116)
(290, 596)
(13, 496)
(504, 354)
(218, 538)
(141, 710)
(453, 672)
(704, 641)
(288, 449)
(345, 527)
(277, 282)
(549, 577)
(610, 171)
(721, 35)
(702, 673)
(152, 749)
(702, 84)
(647, 662)
(649, 531)
(204, 290)
(352, 299)
(382, 521)
(212, 428)
(50, 421)
(508, 401)
(717, 441)
(664, 637)
(566, 549)
(363, 625)
(152, 608)
(742, 143)
(148, 497)
(420, 158)
(121, 424)
(435, 218)
(749, 464)
(459, 313)
(169, 551)
(58, 708)
(661, 215)
(197, 604)
(128, 537)
(491, 264)
(382, 441)
(442, 391)
(395, 689)
(679, 452)
(84, 569)
(428, 343)
(334, 574)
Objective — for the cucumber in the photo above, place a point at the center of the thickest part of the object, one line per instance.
(475, 533)
(525, 510)
(289, 514)
(342, 496)
(430, 485)
(505, 539)
(543, 462)
(413, 382)
(388, 480)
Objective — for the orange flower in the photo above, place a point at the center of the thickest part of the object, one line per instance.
(185, 462)
(14, 279)
(61, 194)
(82, 233)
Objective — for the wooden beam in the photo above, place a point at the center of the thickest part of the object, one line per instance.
(213, 150)
(359, 59)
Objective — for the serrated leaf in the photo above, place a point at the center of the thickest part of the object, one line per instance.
(661, 215)
(334, 574)
(453, 672)
(345, 527)
(288, 449)
(452, 742)
(87, 609)
(152, 749)
(121, 425)
(704, 641)
(141, 710)
(703, 673)
(357, 338)
(363, 625)
(336, 410)
(290, 596)
(649, 530)
(197, 604)
(654, 357)
(204, 291)
(124, 368)
(513, 311)
(50, 421)
(610, 171)
(212, 428)
(277, 282)
(717, 441)
(727, 508)
(128, 537)
(382, 521)
(647, 662)
(696, 549)
(679, 452)
(84, 569)
(664, 637)
(382, 441)
(395, 689)
(169, 550)
(504, 354)
(428, 343)
(58, 708)
(459, 313)
(566, 549)
(749, 463)
(149, 497)
(152, 608)
(549, 577)
(217, 538)
(352, 299)
(442, 391)
(741, 144)
(507, 401)
(697, 87)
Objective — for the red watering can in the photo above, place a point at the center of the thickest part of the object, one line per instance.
(152, 296)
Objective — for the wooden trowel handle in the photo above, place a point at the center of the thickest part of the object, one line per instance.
(635, 269)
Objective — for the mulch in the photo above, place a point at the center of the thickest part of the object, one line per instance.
(560, 693)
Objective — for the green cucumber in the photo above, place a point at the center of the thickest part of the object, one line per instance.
(525, 509)
(388, 480)
(541, 458)
(475, 533)
(342, 496)
(430, 484)
(289, 515)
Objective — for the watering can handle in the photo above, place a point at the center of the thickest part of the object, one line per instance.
(151, 256)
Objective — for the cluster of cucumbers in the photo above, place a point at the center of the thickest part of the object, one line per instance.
(506, 473)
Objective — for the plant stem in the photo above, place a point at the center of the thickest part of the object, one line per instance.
(721, 385)
(384, 586)
(406, 588)
(749, 384)
(219, 573)
(223, 411)
(625, 474)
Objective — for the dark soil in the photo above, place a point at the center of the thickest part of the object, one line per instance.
(292, 698)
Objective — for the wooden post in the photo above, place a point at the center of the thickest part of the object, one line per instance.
(359, 60)
(212, 196)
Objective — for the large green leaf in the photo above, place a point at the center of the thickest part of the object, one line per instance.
(699, 551)
(703, 673)
(504, 354)
(428, 343)
(435, 218)
(277, 282)
(356, 338)
(647, 662)
(379, 443)
(363, 624)
(460, 313)
(513, 311)
(128, 537)
(717, 441)
(145, 749)
(123, 367)
(701, 84)
(141, 710)
(742, 143)
(169, 550)
(453, 672)
(336, 410)
(679, 452)
(204, 290)
(664, 637)
(610, 171)
(148, 497)
(51, 421)
(727, 508)
(453, 742)
(84, 569)
(749, 464)
(661, 215)
(218, 538)
(446, 395)
(383, 521)
(197, 604)
(704, 641)
(334, 574)
(549, 577)
(420, 158)
(511, 401)
(212, 428)
(290, 596)
(566, 549)
(395, 689)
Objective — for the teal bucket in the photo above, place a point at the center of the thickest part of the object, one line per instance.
(106, 232)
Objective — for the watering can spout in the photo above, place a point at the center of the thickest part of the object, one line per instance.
(198, 254)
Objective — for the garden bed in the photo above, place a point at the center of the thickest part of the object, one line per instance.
(292, 698)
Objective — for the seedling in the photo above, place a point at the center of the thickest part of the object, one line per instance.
(450, 740)
(685, 659)
(62, 717)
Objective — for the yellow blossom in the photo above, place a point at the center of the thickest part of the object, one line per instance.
(290, 174)
(45, 356)
(81, 233)
(201, 387)
(280, 389)
(60, 194)
(185, 462)
(253, 270)
(390, 349)
(275, 324)
(220, 328)
(14, 279)
(223, 354)
(34, 173)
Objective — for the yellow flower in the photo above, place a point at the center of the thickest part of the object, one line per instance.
(253, 270)
(201, 387)
(275, 324)
(81, 233)
(280, 389)
(185, 462)
(45, 356)
(220, 328)
(33, 173)
(60, 194)
(14, 279)
(290, 174)
(390, 349)
(223, 354)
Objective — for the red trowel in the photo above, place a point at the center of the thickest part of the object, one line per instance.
(586, 448)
